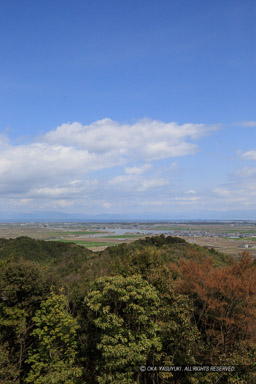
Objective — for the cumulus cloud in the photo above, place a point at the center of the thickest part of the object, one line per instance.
(146, 139)
(37, 163)
(74, 150)
(59, 169)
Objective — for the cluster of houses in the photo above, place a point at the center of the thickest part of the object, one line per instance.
(247, 246)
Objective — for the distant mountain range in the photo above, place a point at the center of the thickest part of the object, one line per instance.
(62, 216)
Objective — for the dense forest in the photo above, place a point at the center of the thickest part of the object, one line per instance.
(72, 316)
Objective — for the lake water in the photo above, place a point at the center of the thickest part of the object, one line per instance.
(122, 231)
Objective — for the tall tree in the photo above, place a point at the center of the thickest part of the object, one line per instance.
(224, 300)
(22, 287)
(180, 338)
(53, 360)
(9, 370)
(122, 312)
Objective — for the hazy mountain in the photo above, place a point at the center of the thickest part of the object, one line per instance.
(62, 216)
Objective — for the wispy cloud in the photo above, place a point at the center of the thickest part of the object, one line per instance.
(137, 170)
(240, 192)
(248, 155)
(250, 123)
(136, 182)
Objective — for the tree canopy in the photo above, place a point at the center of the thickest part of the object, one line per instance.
(71, 316)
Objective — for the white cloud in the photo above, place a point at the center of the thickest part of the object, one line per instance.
(137, 170)
(247, 123)
(57, 170)
(73, 150)
(194, 198)
(39, 164)
(53, 192)
(249, 155)
(153, 183)
(20, 202)
(153, 203)
(146, 139)
(222, 192)
(3, 139)
(246, 172)
(62, 203)
(107, 205)
(174, 166)
(134, 182)
(240, 192)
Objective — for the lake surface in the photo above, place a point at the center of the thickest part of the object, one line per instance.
(122, 231)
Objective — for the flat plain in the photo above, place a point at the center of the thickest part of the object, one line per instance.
(229, 237)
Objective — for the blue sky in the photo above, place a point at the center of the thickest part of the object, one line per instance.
(140, 107)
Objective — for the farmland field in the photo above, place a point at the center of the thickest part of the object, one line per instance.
(228, 237)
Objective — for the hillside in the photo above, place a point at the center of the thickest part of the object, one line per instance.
(69, 315)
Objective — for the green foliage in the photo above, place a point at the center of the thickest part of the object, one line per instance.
(123, 312)
(88, 244)
(22, 284)
(53, 361)
(154, 301)
(22, 287)
(141, 256)
(181, 344)
(161, 240)
(243, 357)
(43, 252)
(9, 371)
(141, 261)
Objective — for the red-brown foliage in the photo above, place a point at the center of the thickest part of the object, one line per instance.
(223, 299)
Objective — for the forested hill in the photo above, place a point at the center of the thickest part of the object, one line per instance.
(72, 316)
(39, 250)
(53, 252)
